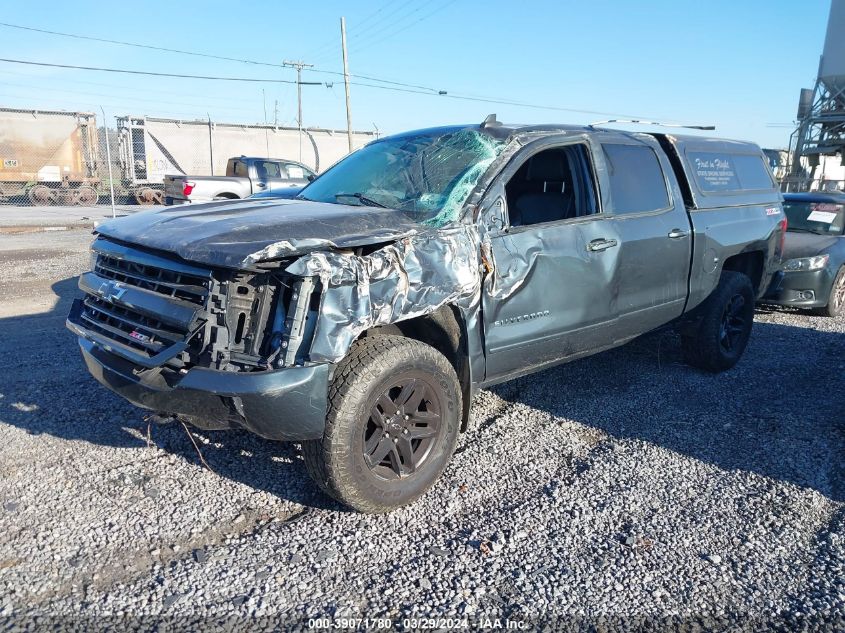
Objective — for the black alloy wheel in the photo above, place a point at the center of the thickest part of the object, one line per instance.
(720, 327)
(403, 426)
(732, 329)
(394, 415)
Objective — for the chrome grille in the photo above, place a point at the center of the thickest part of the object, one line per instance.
(128, 327)
(142, 302)
(166, 282)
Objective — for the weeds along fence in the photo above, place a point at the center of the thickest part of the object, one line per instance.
(55, 157)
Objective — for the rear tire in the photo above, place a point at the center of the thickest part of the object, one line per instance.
(836, 301)
(392, 424)
(724, 327)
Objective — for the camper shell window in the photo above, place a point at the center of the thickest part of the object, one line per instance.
(722, 172)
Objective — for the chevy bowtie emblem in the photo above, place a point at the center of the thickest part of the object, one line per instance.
(111, 291)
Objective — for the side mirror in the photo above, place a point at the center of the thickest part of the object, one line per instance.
(311, 177)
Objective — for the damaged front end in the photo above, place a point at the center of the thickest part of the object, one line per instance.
(235, 314)
(217, 347)
(254, 349)
(413, 277)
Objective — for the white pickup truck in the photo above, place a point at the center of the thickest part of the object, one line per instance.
(245, 175)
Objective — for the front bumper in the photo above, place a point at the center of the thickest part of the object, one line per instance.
(800, 289)
(286, 404)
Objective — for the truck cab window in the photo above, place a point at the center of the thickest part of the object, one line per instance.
(555, 184)
(240, 169)
(637, 183)
(294, 171)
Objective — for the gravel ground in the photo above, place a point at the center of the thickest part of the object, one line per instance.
(626, 488)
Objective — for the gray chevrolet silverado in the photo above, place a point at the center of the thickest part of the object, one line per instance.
(360, 318)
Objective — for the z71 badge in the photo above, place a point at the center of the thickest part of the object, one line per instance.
(140, 337)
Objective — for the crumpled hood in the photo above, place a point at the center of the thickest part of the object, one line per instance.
(806, 244)
(238, 234)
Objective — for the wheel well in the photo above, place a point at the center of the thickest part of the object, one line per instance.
(228, 195)
(750, 264)
(445, 331)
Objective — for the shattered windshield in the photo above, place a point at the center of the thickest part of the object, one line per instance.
(428, 175)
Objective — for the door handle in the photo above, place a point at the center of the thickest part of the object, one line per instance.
(601, 244)
(677, 234)
(261, 184)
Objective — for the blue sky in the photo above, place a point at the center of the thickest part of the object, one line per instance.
(738, 65)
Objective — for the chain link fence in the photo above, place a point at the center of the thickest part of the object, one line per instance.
(53, 157)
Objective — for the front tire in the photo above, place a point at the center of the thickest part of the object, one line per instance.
(724, 327)
(836, 301)
(392, 424)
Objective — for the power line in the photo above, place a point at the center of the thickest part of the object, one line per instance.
(206, 55)
(462, 97)
(363, 30)
(231, 108)
(112, 86)
(61, 104)
(384, 81)
(520, 104)
(136, 45)
(405, 27)
(380, 22)
(391, 27)
(149, 73)
(319, 51)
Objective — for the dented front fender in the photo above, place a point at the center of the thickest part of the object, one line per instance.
(409, 278)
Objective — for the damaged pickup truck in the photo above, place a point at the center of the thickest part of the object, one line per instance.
(360, 318)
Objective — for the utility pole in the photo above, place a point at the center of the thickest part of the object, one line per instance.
(210, 144)
(346, 81)
(299, 65)
(108, 160)
(266, 138)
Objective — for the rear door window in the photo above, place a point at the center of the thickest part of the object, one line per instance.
(721, 172)
(637, 182)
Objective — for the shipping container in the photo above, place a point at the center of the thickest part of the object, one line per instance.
(48, 156)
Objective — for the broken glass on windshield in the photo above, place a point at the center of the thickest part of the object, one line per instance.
(428, 175)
